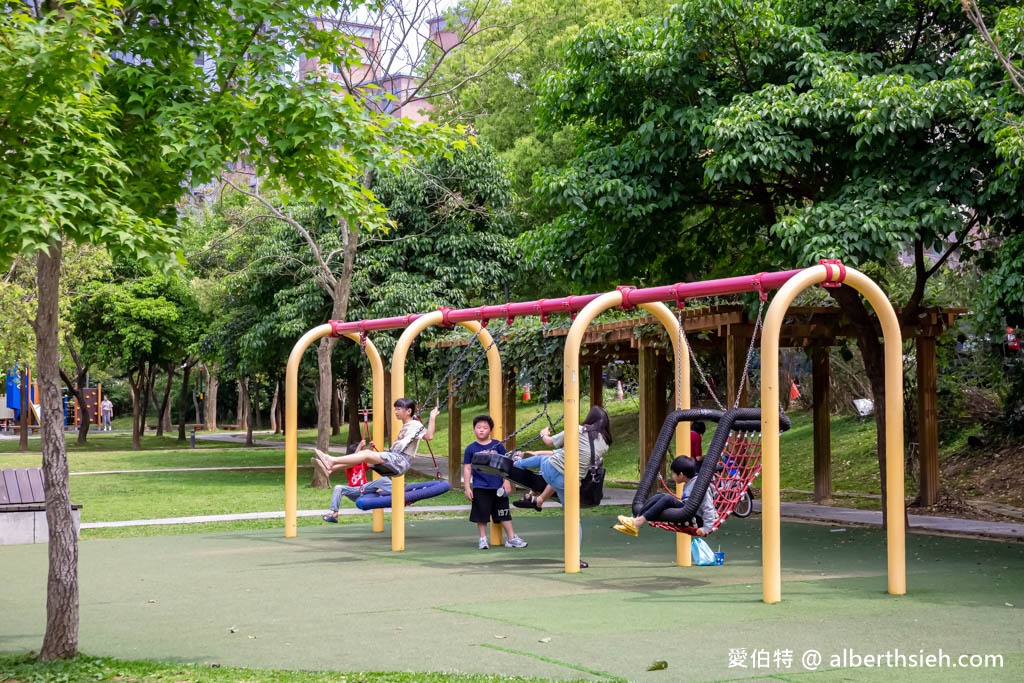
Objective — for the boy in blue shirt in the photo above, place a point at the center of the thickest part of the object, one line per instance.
(487, 492)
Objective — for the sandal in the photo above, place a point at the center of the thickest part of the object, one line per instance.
(322, 463)
(330, 518)
(527, 502)
(318, 465)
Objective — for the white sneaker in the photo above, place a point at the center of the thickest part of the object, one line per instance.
(515, 542)
(482, 545)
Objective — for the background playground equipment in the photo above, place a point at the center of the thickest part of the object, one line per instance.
(92, 396)
(587, 308)
(14, 396)
(72, 409)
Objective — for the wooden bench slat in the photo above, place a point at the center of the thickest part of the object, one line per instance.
(5, 497)
(21, 490)
(22, 486)
(35, 482)
(24, 494)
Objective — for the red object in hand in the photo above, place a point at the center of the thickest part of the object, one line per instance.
(356, 475)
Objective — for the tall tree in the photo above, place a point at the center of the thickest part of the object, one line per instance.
(110, 108)
(492, 87)
(141, 324)
(747, 136)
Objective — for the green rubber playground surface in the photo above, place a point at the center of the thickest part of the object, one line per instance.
(337, 598)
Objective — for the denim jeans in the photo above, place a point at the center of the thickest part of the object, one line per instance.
(383, 485)
(553, 477)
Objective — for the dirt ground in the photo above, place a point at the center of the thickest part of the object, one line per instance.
(986, 483)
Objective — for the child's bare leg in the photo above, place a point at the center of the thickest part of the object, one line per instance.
(341, 462)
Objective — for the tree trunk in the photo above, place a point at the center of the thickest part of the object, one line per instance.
(254, 404)
(60, 640)
(76, 388)
(336, 404)
(275, 424)
(245, 409)
(340, 291)
(324, 351)
(148, 397)
(137, 380)
(200, 418)
(23, 420)
(242, 407)
(210, 398)
(163, 411)
(186, 375)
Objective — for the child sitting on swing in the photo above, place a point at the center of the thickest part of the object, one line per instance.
(684, 469)
(403, 449)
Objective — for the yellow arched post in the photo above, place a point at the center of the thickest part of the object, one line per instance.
(379, 409)
(398, 390)
(770, 500)
(681, 377)
(571, 397)
(291, 414)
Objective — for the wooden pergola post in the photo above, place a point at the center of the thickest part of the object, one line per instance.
(508, 407)
(649, 423)
(927, 421)
(454, 434)
(820, 371)
(596, 384)
(662, 377)
(736, 349)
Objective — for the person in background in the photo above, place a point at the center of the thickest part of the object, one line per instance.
(106, 414)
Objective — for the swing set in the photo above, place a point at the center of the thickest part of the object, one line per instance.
(742, 425)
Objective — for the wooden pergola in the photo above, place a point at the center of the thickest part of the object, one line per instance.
(727, 330)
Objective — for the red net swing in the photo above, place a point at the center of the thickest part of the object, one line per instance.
(733, 459)
(740, 463)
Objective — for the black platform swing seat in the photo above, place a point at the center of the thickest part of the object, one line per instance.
(731, 463)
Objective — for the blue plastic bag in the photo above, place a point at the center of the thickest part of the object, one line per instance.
(702, 553)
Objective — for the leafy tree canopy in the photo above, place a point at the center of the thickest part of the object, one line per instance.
(734, 137)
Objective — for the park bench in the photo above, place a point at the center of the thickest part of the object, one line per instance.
(23, 507)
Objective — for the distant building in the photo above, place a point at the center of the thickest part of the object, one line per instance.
(390, 92)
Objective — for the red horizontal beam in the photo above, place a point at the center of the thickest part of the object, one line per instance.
(681, 292)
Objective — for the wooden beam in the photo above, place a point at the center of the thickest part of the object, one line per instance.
(927, 421)
(454, 434)
(649, 424)
(820, 378)
(662, 377)
(596, 384)
(736, 349)
(510, 394)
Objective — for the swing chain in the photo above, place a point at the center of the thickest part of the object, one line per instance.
(548, 348)
(700, 370)
(696, 363)
(465, 375)
(750, 351)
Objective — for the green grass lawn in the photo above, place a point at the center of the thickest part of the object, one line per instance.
(150, 495)
(84, 668)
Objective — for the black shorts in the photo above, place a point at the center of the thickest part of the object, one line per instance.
(487, 506)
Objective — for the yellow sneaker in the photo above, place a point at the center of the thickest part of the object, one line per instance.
(628, 530)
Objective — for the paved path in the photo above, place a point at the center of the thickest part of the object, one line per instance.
(613, 496)
(619, 497)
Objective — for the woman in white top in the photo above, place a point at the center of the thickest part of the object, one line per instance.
(596, 428)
